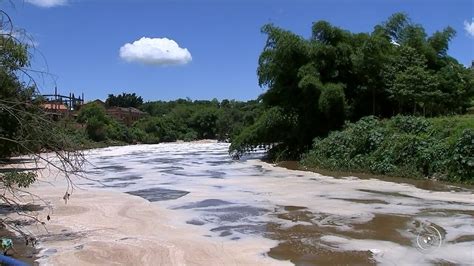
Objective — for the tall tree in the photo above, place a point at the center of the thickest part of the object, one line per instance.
(124, 100)
(335, 74)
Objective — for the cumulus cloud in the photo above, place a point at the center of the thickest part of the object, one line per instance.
(47, 3)
(469, 27)
(155, 51)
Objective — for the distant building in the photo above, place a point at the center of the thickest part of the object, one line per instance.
(99, 102)
(58, 105)
(126, 115)
(55, 107)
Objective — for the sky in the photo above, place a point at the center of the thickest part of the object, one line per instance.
(201, 49)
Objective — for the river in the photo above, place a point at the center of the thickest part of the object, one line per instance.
(311, 219)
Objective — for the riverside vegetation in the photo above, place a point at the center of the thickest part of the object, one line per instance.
(389, 80)
(404, 146)
(181, 119)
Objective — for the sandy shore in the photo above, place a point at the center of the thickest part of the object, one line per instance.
(97, 227)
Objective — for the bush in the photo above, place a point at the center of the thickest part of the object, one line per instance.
(96, 129)
(462, 164)
(402, 146)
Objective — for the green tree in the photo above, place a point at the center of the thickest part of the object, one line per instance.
(332, 104)
(124, 100)
(204, 123)
(92, 110)
(100, 127)
(416, 87)
(397, 68)
(26, 129)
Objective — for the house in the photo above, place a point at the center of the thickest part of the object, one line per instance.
(55, 107)
(126, 115)
(59, 106)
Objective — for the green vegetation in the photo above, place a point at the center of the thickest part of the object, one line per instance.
(101, 127)
(26, 129)
(316, 84)
(184, 119)
(405, 146)
(124, 100)
(181, 119)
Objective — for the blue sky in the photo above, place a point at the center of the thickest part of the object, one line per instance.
(81, 40)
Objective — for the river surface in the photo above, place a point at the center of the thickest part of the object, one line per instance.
(313, 219)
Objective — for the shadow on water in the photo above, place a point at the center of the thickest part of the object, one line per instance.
(158, 194)
(16, 160)
(114, 168)
(19, 170)
(364, 201)
(228, 217)
(124, 178)
(204, 204)
(234, 213)
(119, 185)
(8, 209)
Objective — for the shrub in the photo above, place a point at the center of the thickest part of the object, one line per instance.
(96, 129)
(402, 146)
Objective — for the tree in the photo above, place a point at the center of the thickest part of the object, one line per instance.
(124, 100)
(332, 104)
(92, 110)
(204, 122)
(26, 129)
(336, 75)
(416, 87)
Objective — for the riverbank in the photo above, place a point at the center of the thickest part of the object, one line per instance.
(421, 183)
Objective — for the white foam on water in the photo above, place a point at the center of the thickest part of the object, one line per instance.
(255, 190)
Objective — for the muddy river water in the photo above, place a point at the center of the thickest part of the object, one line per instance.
(313, 219)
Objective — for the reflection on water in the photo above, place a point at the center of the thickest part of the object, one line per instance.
(316, 219)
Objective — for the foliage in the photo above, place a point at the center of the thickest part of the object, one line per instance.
(184, 119)
(100, 127)
(336, 75)
(274, 124)
(18, 179)
(26, 129)
(91, 110)
(124, 100)
(404, 146)
(204, 122)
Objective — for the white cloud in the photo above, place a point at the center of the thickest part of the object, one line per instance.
(155, 51)
(47, 3)
(469, 27)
